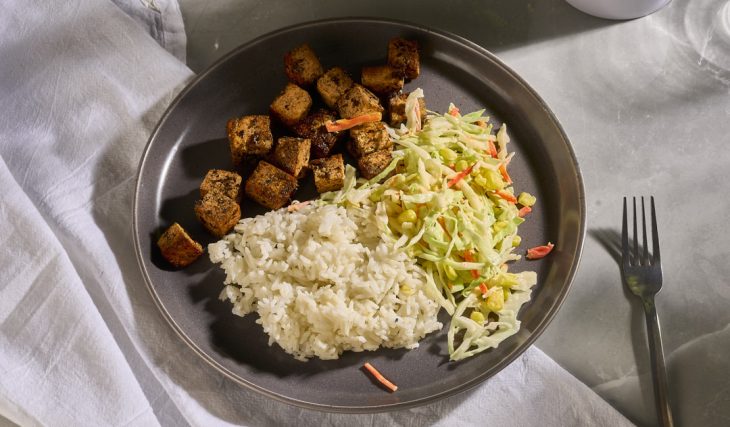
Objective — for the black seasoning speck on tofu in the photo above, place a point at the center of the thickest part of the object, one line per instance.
(292, 154)
(403, 55)
(223, 181)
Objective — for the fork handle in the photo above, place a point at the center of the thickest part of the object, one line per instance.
(658, 367)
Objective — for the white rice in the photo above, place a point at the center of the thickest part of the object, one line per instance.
(323, 282)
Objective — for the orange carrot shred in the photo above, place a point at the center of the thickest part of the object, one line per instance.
(469, 257)
(507, 196)
(454, 111)
(378, 376)
(505, 175)
(459, 176)
(483, 288)
(492, 149)
(539, 251)
(344, 124)
(524, 211)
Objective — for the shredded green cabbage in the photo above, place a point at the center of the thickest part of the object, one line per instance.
(447, 201)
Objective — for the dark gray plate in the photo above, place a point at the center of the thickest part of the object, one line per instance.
(190, 139)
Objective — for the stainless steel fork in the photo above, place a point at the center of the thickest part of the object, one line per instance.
(641, 272)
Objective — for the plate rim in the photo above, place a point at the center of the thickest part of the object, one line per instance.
(470, 384)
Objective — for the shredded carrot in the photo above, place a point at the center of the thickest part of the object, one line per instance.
(524, 211)
(459, 176)
(505, 175)
(483, 288)
(344, 124)
(492, 149)
(507, 196)
(469, 257)
(539, 251)
(378, 376)
(454, 111)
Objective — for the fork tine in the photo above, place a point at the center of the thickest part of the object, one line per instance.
(635, 253)
(645, 258)
(625, 256)
(654, 234)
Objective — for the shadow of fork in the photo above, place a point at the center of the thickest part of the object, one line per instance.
(610, 240)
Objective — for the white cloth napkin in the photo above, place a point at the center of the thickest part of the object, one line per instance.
(81, 343)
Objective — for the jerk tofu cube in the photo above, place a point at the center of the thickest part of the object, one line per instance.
(302, 66)
(313, 128)
(358, 101)
(403, 55)
(177, 247)
(221, 181)
(332, 85)
(292, 105)
(329, 173)
(218, 213)
(368, 138)
(397, 109)
(382, 79)
(249, 136)
(270, 186)
(372, 164)
(292, 154)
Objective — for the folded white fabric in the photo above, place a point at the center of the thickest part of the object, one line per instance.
(81, 342)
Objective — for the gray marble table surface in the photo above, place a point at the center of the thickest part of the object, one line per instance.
(646, 104)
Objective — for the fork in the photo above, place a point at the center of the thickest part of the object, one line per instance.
(641, 272)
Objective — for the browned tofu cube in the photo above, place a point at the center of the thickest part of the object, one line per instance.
(292, 154)
(270, 186)
(249, 136)
(302, 66)
(403, 55)
(218, 213)
(332, 85)
(382, 79)
(177, 247)
(329, 173)
(221, 181)
(358, 101)
(372, 164)
(292, 105)
(368, 138)
(397, 109)
(312, 128)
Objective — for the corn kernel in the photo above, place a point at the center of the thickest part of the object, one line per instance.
(477, 316)
(526, 199)
(495, 301)
(408, 215)
(506, 293)
(516, 241)
(406, 290)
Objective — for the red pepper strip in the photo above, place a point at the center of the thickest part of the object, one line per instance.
(505, 175)
(459, 176)
(524, 211)
(454, 111)
(378, 376)
(344, 124)
(492, 149)
(539, 251)
(468, 257)
(483, 288)
(506, 196)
